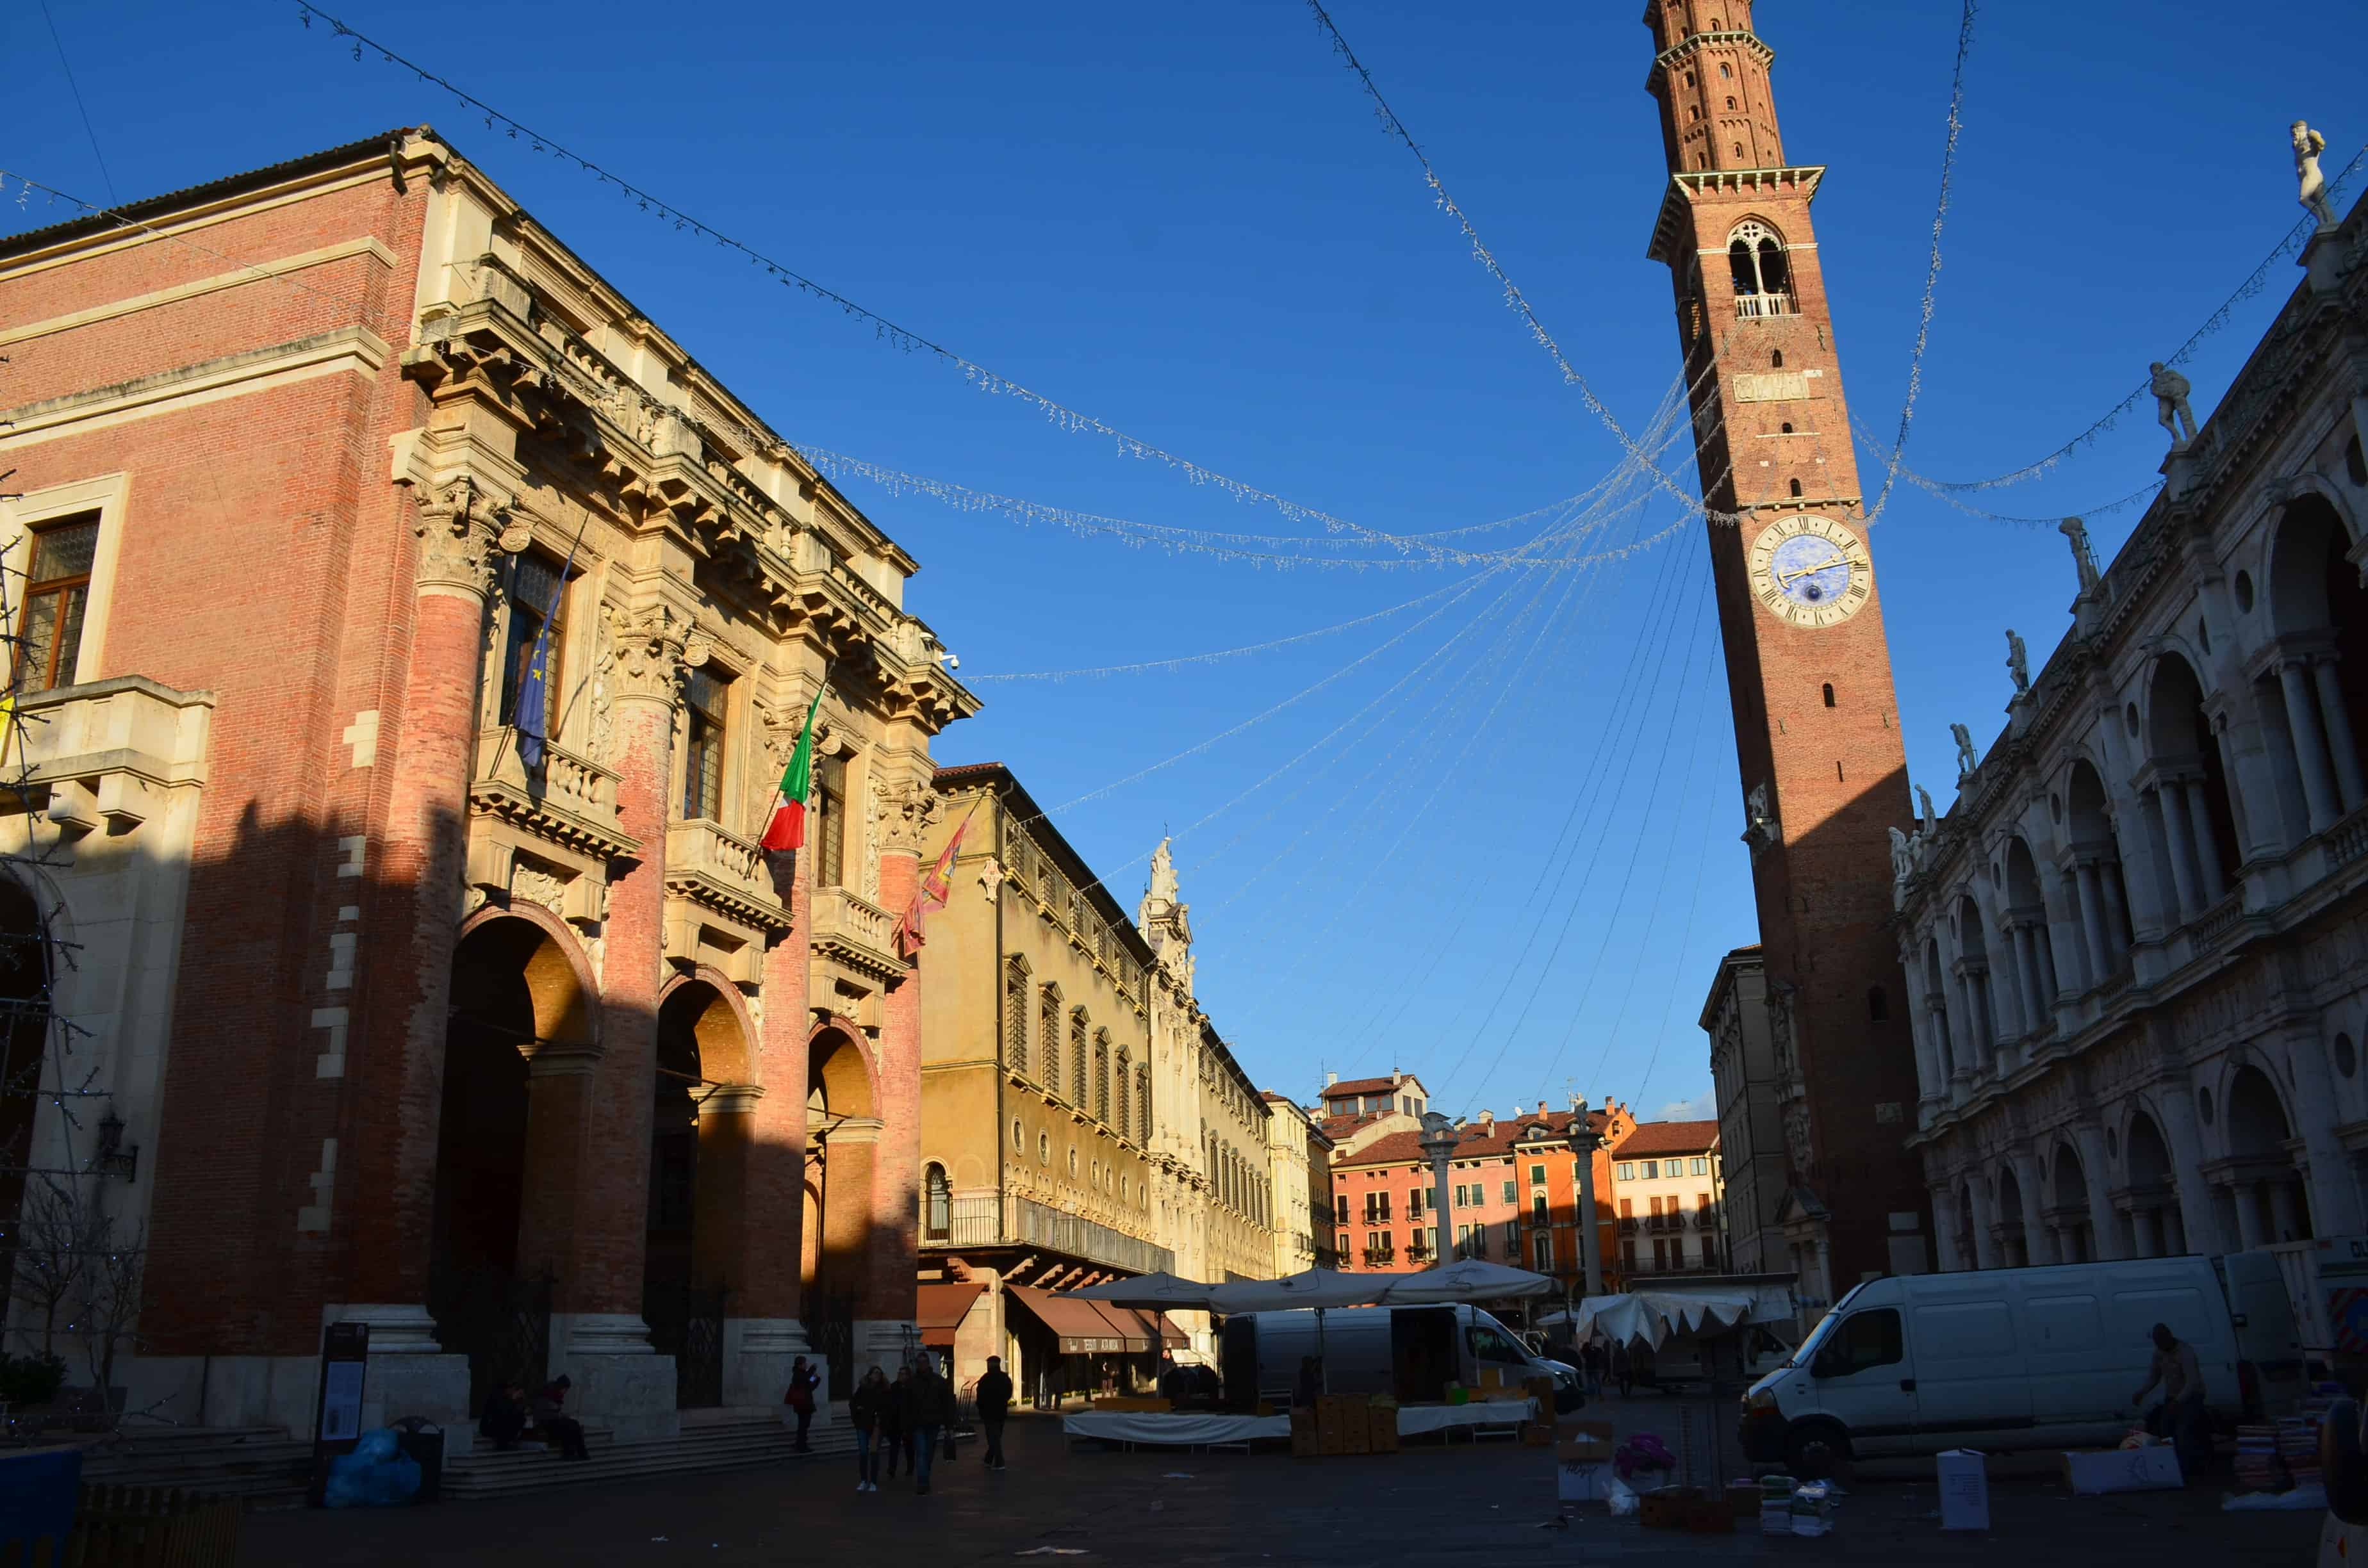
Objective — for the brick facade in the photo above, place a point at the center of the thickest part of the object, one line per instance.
(342, 401)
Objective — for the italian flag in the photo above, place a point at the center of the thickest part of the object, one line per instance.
(787, 830)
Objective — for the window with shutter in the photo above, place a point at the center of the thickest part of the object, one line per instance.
(830, 822)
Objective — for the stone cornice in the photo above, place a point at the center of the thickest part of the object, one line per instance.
(1688, 187)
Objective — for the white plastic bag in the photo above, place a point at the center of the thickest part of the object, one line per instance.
(1622, 1497)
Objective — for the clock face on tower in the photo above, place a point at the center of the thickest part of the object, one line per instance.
(1811, 571)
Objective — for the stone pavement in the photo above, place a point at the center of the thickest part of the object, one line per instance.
(1457, 1507)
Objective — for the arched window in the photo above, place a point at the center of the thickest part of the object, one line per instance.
(1829, 694)
(1878, 1001)
(1755, 259)
(937, 1204)
(1048, 1039)
(1776, 362)
(1730, 102)
(1727, 72)
(1786, 427)
(1080, 1085)
(1796, 487)
(1101, 1075)
(1738, 149)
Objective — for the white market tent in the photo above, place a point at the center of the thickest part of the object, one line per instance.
(1317, 1288)
(1649, 1317)
(1468, 1279)
(1150, 1292)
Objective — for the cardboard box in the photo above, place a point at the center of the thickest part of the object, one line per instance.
(1358, 1439)
(1964, 1480)
(1537, 1434)
(1743, 1498)
(2154, 1468)
(1583, 1442)
(1668, 1508)
(1492, 1377)
(1577, 1482)
(1382, 1429)
(1709, 1516)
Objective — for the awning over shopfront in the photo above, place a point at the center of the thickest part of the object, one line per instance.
(943, 1307)
(1084, 1328)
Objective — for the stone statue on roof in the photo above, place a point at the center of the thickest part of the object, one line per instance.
(2084, 558)
(1903, 859)
(2307, 145)
(1968, 759)
(1162, 874)
(1931, 822)
(2018, 662)
(2170, 390)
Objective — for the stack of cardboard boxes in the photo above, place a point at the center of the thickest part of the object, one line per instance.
(1582, 1461)
(1345, 1424)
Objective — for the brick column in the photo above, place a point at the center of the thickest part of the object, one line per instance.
(396, 1053)
(598, 1331)
(885, 1309)
(762, 1331)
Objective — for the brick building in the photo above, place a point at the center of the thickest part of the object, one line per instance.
(532, 1063)
(1823, 773)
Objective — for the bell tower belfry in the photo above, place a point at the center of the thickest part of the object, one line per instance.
(1823, 771)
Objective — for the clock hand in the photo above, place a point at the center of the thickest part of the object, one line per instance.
(1826, 565)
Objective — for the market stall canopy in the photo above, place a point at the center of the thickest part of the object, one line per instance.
(941, 1308)
(1468, 1279)
(1081, 1327)
(1155, 1293)
(1309, 1288)
(1650, 1317)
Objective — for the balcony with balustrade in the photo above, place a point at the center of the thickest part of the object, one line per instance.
(1762, 307)
(568, 801)
(855, 931)
(978, 1222)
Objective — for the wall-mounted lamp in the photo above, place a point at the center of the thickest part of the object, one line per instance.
(113, 1158)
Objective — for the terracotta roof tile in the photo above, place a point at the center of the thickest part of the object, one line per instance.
(1653, 1138)
(1359, 1086)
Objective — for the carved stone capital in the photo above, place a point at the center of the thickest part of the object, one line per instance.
(908, 810)
(460, 529)
(650, 653)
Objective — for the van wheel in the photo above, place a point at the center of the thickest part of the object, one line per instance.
(1814, 1448)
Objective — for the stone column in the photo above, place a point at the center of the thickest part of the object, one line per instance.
(1946, 1235)
(2285, 1216)
(2309, 744)
(2350, 787)
(2146, 1221)
(2026, 952)
(411, 888)
(2037, 1242)
(1985, 1246)
(620, 1382)
(1978, 980)
(2249, 1215)
(2179, 838)
(1936, 1029)
(2117, 914)
(2213, 883)
(2198, 1223)
(884, 1310)
(2104, 1223)
(2093, 922)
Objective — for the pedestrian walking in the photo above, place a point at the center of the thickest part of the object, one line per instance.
(800, 1401)
(929, 1408)
(993, 1394)
(1591, 1357)
(867, 1412)
(898, 1438)
(2180, 1415)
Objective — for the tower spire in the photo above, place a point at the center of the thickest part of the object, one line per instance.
(1710, 72)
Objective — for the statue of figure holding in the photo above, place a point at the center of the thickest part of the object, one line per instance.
(1966, 759)
(2170, 390)
(2084, 558)
(1903, 859)
(1931, 823)
(2018, 662)
(1162, 874)
(2307, 145)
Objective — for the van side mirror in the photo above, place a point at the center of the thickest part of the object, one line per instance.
(2341, 1464)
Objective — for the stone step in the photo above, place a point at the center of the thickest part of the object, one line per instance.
(262, 1464)
(489, 1472)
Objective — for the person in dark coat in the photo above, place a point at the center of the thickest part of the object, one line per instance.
(929, 1408)
(551, 1419)
(899, 1436)
(993, 1394)
(799, 1400)
(1311, 1384)
(505, 1416)
(1591, 1357)
(867, 1411)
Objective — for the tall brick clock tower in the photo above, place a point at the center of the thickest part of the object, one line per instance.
(1824, 774)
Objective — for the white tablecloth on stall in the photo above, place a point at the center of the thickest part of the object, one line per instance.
(1193, 1429)
(1186, 1429)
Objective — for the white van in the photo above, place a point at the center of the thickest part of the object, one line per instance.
(2018, 1358)
(1411, 1352)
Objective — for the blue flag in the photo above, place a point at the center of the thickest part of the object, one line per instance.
(531, 718)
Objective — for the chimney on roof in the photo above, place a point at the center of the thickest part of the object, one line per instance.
(1542, 1108)
(1397, 1077)
(1488, 1120)
(1331, 1079)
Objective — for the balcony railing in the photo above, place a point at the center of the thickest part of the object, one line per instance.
(847, 926)
(707, 862)
(567, 800)
(979, 1222)
(1754, 307)
(1379, 1257)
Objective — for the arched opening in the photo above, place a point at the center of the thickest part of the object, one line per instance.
(937, 1204)
(2014, 1245)
(2095, 871)
(1829, 694)
(1936, 1007)
(24, 962)
(842, 1140)
(1973, 984)
(2075, 1228)
(2155, 1228)
(2319, 683)
(2196, 822)
(2027, 935)
(516, 997)
(1878, 1005)
(1757, 266)
(699, 1149)
(2267, 1194)
(1776, 358)
(1968, 1247)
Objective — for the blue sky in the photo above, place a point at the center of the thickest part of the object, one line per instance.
(1500, 850)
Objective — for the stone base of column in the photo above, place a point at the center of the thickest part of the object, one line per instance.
(409, 1371)
(885, 1343)
(618, 1380)
(758, 1355)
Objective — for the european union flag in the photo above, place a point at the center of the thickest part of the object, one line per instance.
(531, 715)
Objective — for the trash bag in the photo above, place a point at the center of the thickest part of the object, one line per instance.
(1622, 1497)
(377, 1446)
(375, 1475)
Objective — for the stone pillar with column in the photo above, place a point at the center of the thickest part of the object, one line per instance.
(2105, 1241)
(2199, 1225)
(2301, 693)
(1437, 1143)
(597, 1329)
(1977, 1194)
(1947, 1233)
(2350, 787)
(412, 889)
(2179, 846)
(2334, 1207)
(764, 1328)
(2038, 1240)
(2212, 877)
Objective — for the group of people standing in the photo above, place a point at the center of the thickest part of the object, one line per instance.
(906, 1419)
